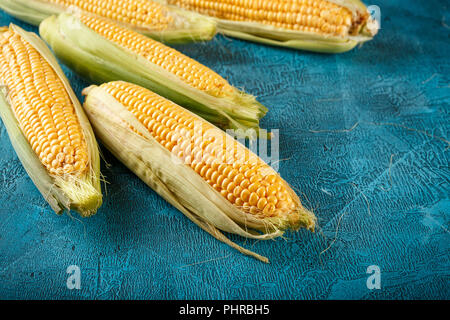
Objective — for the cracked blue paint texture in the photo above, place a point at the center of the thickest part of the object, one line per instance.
(363, 138)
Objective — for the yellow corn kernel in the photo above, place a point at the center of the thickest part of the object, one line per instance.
(155, 113)
(42, 107)
(317, 16)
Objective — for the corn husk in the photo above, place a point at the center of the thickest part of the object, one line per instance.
(188, 26)
(82, 194)
(176, 181)
(100, 60)
(301, 40)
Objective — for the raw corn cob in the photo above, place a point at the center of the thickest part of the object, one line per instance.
(330, 26)
(158, 21)
(46, 124)
(213, 179)
(103, 51)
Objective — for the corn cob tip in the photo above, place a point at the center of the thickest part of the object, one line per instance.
(298, 217)
(85, 198)
(305, 219)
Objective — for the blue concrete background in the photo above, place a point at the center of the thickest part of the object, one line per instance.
(362, 137)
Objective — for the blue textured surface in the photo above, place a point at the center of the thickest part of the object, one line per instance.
(383, 184)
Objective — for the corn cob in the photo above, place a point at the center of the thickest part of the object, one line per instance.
(330, 26)
(212, 178)
(158, 21)
(103, 51)
(47, 125)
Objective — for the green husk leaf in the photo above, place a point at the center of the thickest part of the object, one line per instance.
(100, 60)
(267, 34)
(82, 194)
(193, 27)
